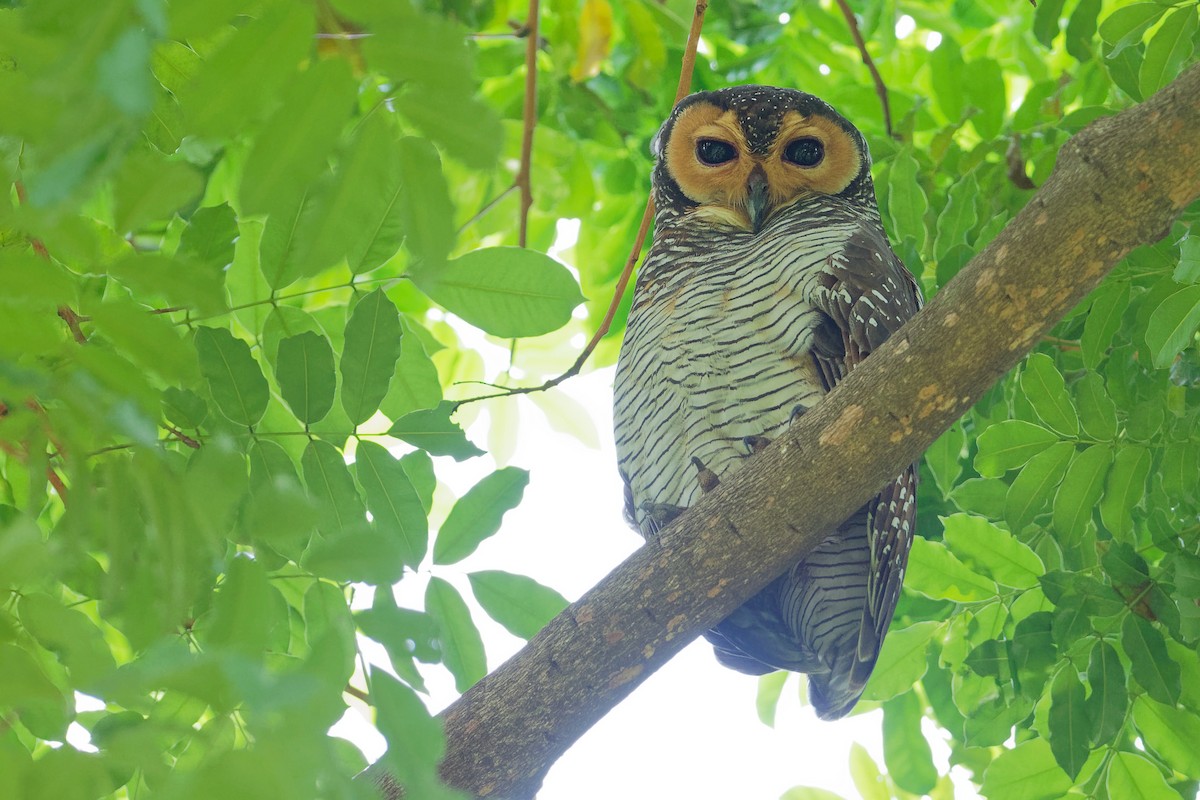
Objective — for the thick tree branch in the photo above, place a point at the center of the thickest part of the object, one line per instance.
(1118, 184)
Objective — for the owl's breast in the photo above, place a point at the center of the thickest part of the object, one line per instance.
(712, 358)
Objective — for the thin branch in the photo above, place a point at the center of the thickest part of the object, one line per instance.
(488, 206)
(685, 83)
(529, 116)
(880, 87)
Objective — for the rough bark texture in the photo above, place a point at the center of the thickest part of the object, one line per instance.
(1118, 184)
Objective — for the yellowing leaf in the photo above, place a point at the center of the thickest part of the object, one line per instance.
(595, 39)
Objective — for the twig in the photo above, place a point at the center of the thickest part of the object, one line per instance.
(39, 247)
(880, 88)
(488, 206)
(529, 116)
(183, 437)
(685, 84)
(354, 691)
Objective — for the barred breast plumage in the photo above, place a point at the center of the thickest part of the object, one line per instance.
(768, 279)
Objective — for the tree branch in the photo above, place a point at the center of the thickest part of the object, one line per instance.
(1118, 184)
(880, 86)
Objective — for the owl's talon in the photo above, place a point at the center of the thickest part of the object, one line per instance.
(755, 444)
(658, 516)
(797, 413)
(708, 479)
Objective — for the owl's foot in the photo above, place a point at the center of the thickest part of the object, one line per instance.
(797, 413)
(755, 444)
(659, 516)
(708, 479)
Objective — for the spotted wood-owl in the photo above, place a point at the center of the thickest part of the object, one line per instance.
(769, 278)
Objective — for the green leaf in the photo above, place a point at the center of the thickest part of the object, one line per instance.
(1046, 391)
(415, 739)
(1148, 660)
(238, 80)
(304, 369)
(234, 377)
(1068, 723)
(75, 639)
(209, 237)
(766, 699)
(462, 648)
(521, 604)
(1125, 25)
(1168, 49)
(958, 218)
(902, 661)
(944, 457)
(1079, 492)
(906, 200)
(984, 84)
(290, 150)
(1132, 777)
(935, 572)
(1170, 732)
(1036, 484)
(1179, 467)
(340, 510)
(478, 513)
(1081, 30)
(1125, 489)
(1097, 411)
(985, 496)
(179, 281)
(369, 554)
(986, 547)
(26, 689)
(1188, 269)
(392, 501)
(1108, 306)
(1026, 772)
(418, 466)
(423, 48)
(906, 752)
(150, 188)
(1010, 444)
(244, 609)
(866, 775)
(356, 215)
(467, 129)
(147, 338)
(426, 209)
(1109, 698)
(369, 355)
(415, 385)
(1045, 20)
(283, 253)
(1173, 323)
(404, 633)
(509, 292)
(433, 432)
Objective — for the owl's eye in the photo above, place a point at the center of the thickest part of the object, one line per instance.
(714, 152)
(806, 152)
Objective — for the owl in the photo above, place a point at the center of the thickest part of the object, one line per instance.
(769, 278)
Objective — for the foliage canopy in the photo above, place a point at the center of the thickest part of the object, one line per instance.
(233, 233)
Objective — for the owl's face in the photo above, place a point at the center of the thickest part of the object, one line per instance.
(735, 157)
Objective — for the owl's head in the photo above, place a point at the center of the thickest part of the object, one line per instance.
(735, 157)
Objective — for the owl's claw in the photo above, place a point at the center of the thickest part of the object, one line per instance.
(708, 479)
(797, 413)
(658, 516)
(755, 444)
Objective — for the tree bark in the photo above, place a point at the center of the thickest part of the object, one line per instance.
(1119, 183)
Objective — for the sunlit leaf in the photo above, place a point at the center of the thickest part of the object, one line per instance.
(1026, 772)
(478, 513)
(935, 572)
(1168, 49)
(433, 432)
(1108, 305)
(1124, 489)
(1173, 324)
(993, 550)
(521, 604)
(1010, 444)
(392, 501)
(462, 647)
(1132, 776)
(1046, 391)
(234, 378)
(369, 356)
(505, 291)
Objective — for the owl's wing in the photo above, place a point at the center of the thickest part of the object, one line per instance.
(867, 294)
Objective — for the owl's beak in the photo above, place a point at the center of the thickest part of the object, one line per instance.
(758, 202)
